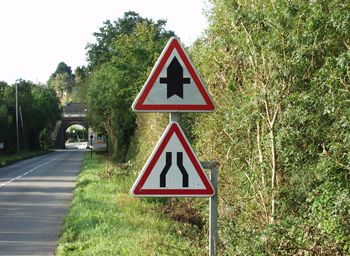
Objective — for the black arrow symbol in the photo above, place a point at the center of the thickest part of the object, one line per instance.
(175, 79)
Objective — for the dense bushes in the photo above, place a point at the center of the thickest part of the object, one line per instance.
(279, 73)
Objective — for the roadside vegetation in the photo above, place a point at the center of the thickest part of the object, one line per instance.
(38, 112)
(105, 219)
(19, 156)
(279, 72)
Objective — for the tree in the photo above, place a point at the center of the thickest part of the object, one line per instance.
(40, 111)
(3, 84)
(116, 83)
(63, 82)
(280, 122)
(6, 135)
(61, 69)
(101, 52)
(47, 112)
(82, 81)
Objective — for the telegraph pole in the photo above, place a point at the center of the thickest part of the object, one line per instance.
(17, 114)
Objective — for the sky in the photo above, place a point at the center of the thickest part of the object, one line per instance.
(36, 35)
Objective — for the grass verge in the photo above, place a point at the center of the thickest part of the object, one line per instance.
(105, 219)
(19, 156)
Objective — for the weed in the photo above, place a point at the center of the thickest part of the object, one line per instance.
(183, 212)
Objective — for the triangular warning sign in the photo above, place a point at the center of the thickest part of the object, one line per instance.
(173, 169)
(173, 85)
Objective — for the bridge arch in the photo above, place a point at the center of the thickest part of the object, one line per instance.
(73, 114)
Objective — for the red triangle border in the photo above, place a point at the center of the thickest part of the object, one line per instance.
(208, 191)
(140, 107)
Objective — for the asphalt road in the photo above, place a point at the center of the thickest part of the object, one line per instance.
(34, 198)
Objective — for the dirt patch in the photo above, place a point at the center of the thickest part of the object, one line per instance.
(182, 211)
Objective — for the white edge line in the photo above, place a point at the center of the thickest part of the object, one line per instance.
(31, 170)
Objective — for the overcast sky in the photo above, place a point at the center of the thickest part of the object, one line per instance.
(36, 35)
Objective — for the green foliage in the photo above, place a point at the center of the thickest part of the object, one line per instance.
(150, 126)
(6, 135)
(100, 52)
(63, 82)
(61, 69)
(77, 131)
(279, 74)
(117, 79)
(3, 84)
(39, 110)
(82, 81)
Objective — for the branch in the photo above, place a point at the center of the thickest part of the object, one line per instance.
(236, 146)
(250, 38)
(325, 152)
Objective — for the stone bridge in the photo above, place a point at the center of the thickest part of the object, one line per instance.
(73, 114)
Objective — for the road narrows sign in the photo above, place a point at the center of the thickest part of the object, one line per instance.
(173, 169)
(173, 85)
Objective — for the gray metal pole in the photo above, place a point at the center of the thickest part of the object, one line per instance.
(107, 145)
(91, 145)
(213, 213)
(17, 113)
(213, 208)
(17, 117)
(174, 117)
(24, 138)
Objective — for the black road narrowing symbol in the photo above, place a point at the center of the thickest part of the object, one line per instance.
(166, 168)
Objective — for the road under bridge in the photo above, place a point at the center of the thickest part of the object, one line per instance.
(73, 114)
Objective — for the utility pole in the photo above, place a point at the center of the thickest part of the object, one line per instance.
(24, 138)
(17, 114)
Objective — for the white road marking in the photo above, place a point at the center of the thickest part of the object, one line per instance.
(30, 171)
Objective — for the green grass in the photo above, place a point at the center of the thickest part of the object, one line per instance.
(105, 219)
(19, 156)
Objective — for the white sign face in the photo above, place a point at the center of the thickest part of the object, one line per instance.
(1, 145)
(93, 135)
(174, 155)
(174, 85)
(190, 94)
(173, 169)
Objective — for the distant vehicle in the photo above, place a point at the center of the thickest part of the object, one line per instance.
(84, 145)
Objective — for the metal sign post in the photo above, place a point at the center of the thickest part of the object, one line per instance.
(173, 117)
(213, 207)
(91, 137)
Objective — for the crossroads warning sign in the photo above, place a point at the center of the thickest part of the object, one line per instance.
(174, 85)
(173, 169)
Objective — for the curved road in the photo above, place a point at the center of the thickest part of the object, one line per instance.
(34, 198)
